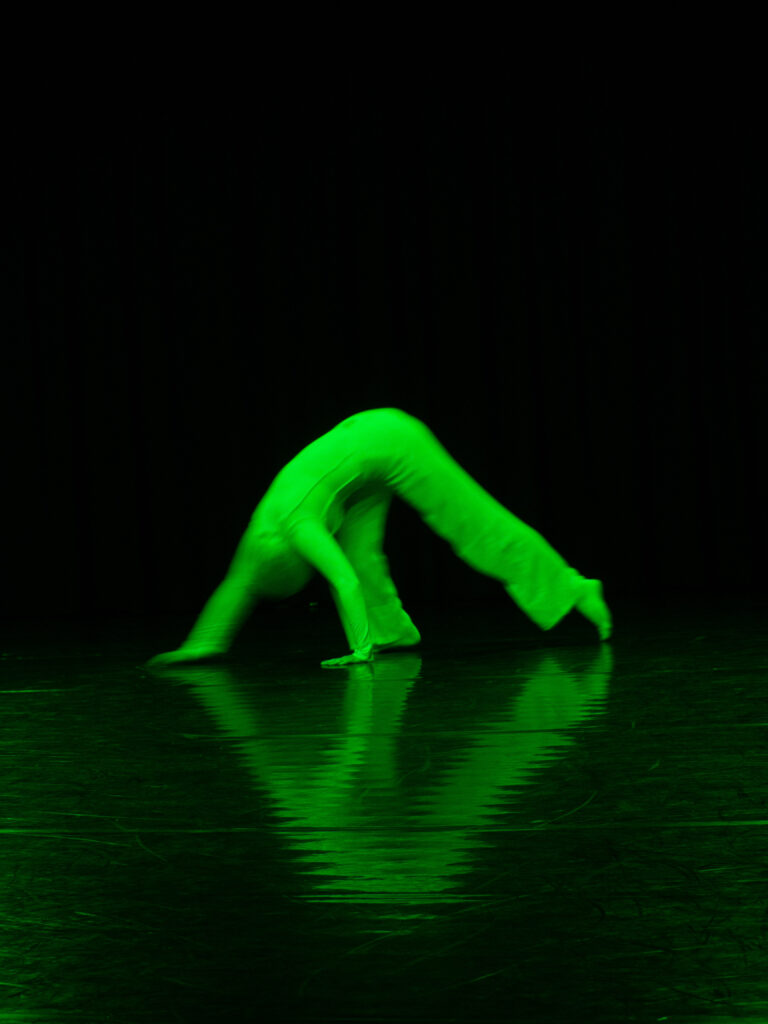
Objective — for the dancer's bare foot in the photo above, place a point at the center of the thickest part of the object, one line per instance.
(408, 639)
(593, 607)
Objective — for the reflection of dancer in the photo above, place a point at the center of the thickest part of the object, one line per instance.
(326, 510)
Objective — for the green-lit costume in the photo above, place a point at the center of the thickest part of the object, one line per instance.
(326, 510)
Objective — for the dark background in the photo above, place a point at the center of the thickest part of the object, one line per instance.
(561, 270)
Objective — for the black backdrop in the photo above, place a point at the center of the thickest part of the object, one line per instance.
(564, 277)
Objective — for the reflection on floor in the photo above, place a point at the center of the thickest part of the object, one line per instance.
(499, 825)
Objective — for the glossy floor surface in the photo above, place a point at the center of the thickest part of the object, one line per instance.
(503, 825)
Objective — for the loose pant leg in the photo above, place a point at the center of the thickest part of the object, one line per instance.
(486, 535)
(361, 537)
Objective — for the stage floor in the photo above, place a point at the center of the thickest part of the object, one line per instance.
(499, 825)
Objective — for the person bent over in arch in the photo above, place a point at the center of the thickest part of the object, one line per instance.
(326, 511)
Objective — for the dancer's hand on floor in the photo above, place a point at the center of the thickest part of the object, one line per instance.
(183, 654)
(348, 659)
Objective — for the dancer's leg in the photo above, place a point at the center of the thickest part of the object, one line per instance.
(492, 540)
(361, 537)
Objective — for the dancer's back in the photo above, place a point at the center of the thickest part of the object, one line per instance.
(373, 448)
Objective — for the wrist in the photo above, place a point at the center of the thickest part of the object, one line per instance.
(202, 650)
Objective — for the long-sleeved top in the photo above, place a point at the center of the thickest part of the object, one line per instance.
(381, 452)
(295, 523)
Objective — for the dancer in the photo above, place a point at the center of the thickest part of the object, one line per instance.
(326, 512)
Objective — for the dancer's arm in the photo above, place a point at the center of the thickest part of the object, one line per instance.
(317, 546)
(216, 626)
